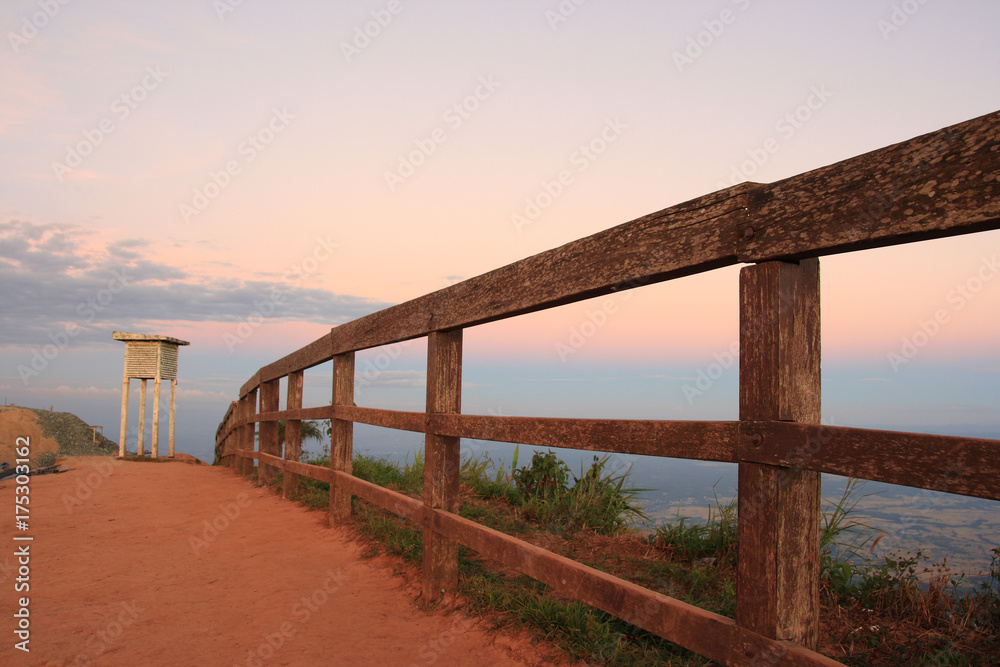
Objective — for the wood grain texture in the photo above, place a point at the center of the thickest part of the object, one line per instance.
(222, 436)
(442, 460)
(270, 399)
(249, 431)
(293, 433)
(342, 436)
(398, 419)
(967, 466)
(939, 184)
(706, 441)
(778, 530)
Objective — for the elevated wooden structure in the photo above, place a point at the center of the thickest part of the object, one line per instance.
(148, 357)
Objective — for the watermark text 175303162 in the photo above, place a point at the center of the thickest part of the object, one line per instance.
(22, 549)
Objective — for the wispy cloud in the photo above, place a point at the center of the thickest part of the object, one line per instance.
(57, 275)
(392, 379)
(585, 379)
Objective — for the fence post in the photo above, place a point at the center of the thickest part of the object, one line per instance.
(269, 402)
(239, 413)
(778, 570)
(341, 436)
(293, 434)
(249, 431)
(442, 460)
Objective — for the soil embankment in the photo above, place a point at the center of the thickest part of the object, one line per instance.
(52, 433)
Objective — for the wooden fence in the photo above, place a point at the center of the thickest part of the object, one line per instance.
(941, 184)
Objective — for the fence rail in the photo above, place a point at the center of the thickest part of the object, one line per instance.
(937, 185)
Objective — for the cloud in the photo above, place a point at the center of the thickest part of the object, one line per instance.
(55, 276)
(391, 379)
(90, 391)
(599, 378)
(62, 390)
(873, 380)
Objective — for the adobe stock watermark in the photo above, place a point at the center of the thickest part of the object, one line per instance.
(785, 128)
(562, 13)
(300, 613)
(211, 529)
(432, 649)
(454, 117)
(266, 307)
(799, 458)
(87, 311)
(473, 449)
(225, 7)
(120, 109)
(704, 39)
(374, 368)
(595, 320)
(86, 486)
(706, 377)
(923, 506)
(957, 297)
(248, 150)
(899, 16)
(105, 638)
(364, 35)
(585, 155)
(32, 25)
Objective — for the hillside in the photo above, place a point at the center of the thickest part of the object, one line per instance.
(59, 433)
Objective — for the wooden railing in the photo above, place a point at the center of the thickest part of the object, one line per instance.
(941, 184)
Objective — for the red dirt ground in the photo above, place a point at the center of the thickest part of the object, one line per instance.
(174, 564)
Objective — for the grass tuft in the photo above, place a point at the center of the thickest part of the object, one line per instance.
(895, 609)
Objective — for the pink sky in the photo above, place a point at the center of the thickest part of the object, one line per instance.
(228, 156)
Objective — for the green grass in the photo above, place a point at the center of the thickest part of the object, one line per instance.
(712, 541)
(47, 459)
(696, 564)
(596, 501)
(408, 478)
(582, 632)
(388, 532)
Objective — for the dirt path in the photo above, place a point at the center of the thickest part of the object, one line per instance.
(173, 564)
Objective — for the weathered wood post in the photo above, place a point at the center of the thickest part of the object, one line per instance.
(225, 445)
(341, 436)
(293, 433)
(270, 398)
(778, 571)
(442, 459)
(249, 430)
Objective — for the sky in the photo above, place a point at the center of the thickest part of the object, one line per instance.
(245, 175)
